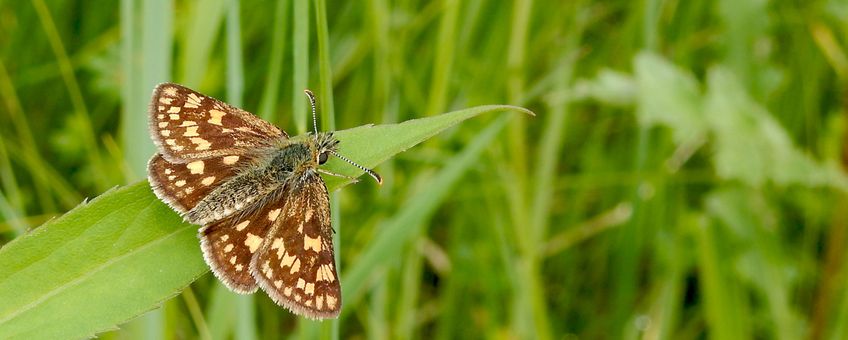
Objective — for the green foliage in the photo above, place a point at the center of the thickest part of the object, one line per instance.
(683, 179)
(131, 250)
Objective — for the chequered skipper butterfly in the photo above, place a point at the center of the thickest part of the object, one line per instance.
(257, 193)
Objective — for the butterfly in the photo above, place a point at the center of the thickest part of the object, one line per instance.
(257, 193)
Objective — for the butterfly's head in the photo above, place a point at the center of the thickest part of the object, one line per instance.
(325, 144)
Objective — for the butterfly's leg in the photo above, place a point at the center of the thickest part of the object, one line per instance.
(337, 175)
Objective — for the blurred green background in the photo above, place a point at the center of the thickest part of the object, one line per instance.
(682, 178)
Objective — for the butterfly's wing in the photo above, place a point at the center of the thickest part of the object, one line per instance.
(187, 125)
(295, 264)
(229, 245)
(182, 185)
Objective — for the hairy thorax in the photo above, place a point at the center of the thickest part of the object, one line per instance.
(268, 176)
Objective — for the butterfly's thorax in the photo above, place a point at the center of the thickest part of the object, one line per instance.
(285, 163)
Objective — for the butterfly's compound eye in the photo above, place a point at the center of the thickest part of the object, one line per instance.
(322, 158)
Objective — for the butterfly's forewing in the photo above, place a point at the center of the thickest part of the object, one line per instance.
(229, 245)
(187, 125)
(295, 264)
(182, 185)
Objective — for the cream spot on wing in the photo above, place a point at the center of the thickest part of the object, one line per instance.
(202, 144)
(272, 215)
(308, 303)
(301, 283)
(281, 248)
(278, 243)
(189, 190)
(242, 225)
(331, 302)
(287, 291)
(174, 116)
(266, 269)
(325, 273)
(310, 288)
(216, 117)
(164, 100)
(192, 101)
(228, 248)
(278, 284)
(177, 148)
(165, 133)
(174, 109)
(163, 125)
(171, 141)
(287, 260)
(196, 167)
(188, 123)
(225, 238)
(319, 301)
(233, 260)
(171, 177)
(252, 242)
(297, 297)
(230, 160)
(170, 91)
(295, 267)
(314, 243)
(180, 183)
(239, 267)
(168, 171)
(160, 109)
(208, 180)
(191, 131)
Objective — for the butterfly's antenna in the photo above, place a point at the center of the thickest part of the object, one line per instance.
(368, 171)
(314, 111)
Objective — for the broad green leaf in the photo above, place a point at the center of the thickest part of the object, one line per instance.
(125, 252)
(679, 101)
(752, 146)
(95, 267)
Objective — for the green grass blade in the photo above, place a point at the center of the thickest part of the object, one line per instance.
(300, 66)
(271, 91)
(328, 111)
(206, 19)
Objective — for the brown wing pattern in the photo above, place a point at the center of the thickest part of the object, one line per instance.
(187, 125)
(295, 265)
(230, 244)
(182, 185)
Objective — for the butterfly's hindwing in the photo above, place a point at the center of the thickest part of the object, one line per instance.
(187, 125)
(295, 265)
(182, 185)
(229, 245)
